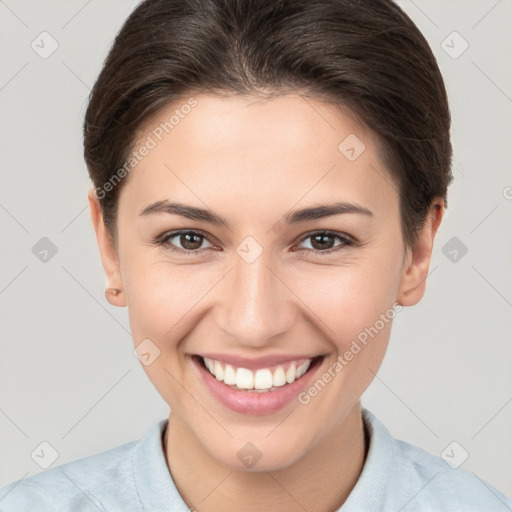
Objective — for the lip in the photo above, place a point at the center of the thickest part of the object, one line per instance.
(253, 403)
(252, 363)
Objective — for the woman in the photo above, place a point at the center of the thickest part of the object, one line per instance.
(269, 178)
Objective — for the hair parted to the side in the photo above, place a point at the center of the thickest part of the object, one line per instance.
(366, 55)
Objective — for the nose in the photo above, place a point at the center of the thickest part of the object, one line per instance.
(255, 305)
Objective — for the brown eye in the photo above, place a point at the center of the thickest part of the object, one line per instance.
(185, 241)
(324, 242)
(190, 241)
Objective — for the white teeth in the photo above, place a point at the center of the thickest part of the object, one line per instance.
(279, 378)
(261, 380)
(229, 375)
(244, 378)
(219, 371)
(291, 373)
(209, 364)
(303, 368)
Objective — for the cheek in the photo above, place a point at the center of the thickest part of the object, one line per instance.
(161, 299)
(353, 310)
(348, 298)
(162, 304)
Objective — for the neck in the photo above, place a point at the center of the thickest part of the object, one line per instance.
(321, 480)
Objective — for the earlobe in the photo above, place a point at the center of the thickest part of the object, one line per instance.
(415, 272)
(108, 254)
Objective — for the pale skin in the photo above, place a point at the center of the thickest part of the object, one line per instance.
(252, 162)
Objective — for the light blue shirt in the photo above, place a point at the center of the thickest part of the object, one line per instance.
(396, 477)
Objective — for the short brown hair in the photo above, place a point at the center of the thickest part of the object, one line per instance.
(366, 55)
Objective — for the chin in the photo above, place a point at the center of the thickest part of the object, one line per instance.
(248, 457)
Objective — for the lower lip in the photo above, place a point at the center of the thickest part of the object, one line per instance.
(253, 402)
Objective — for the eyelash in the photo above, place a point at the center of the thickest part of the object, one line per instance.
(164, 241)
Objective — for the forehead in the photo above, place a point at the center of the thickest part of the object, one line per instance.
(285, 151)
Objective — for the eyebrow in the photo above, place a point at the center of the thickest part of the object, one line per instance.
(296, 217)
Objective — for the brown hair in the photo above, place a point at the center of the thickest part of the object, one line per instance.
(366, 55)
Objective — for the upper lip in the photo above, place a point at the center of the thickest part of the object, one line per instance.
(253, 363)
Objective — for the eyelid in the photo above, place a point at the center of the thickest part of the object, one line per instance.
(163, 240)
(347, 241)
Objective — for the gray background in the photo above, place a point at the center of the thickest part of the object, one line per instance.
(67, 372)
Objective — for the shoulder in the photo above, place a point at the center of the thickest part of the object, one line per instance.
(438, 484)
(82, 484)
(102, 481)
(419, 480)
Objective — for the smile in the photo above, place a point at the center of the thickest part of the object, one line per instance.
(261, 380)
(264, 388)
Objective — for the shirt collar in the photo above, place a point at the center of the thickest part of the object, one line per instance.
(157, 490)
(370, 490)
(153, 480)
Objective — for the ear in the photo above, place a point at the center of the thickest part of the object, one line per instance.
(415, 271)
(108, 253)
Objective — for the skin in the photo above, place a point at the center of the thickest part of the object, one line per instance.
(253, 161)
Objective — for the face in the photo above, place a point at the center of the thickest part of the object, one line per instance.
(285, 251)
